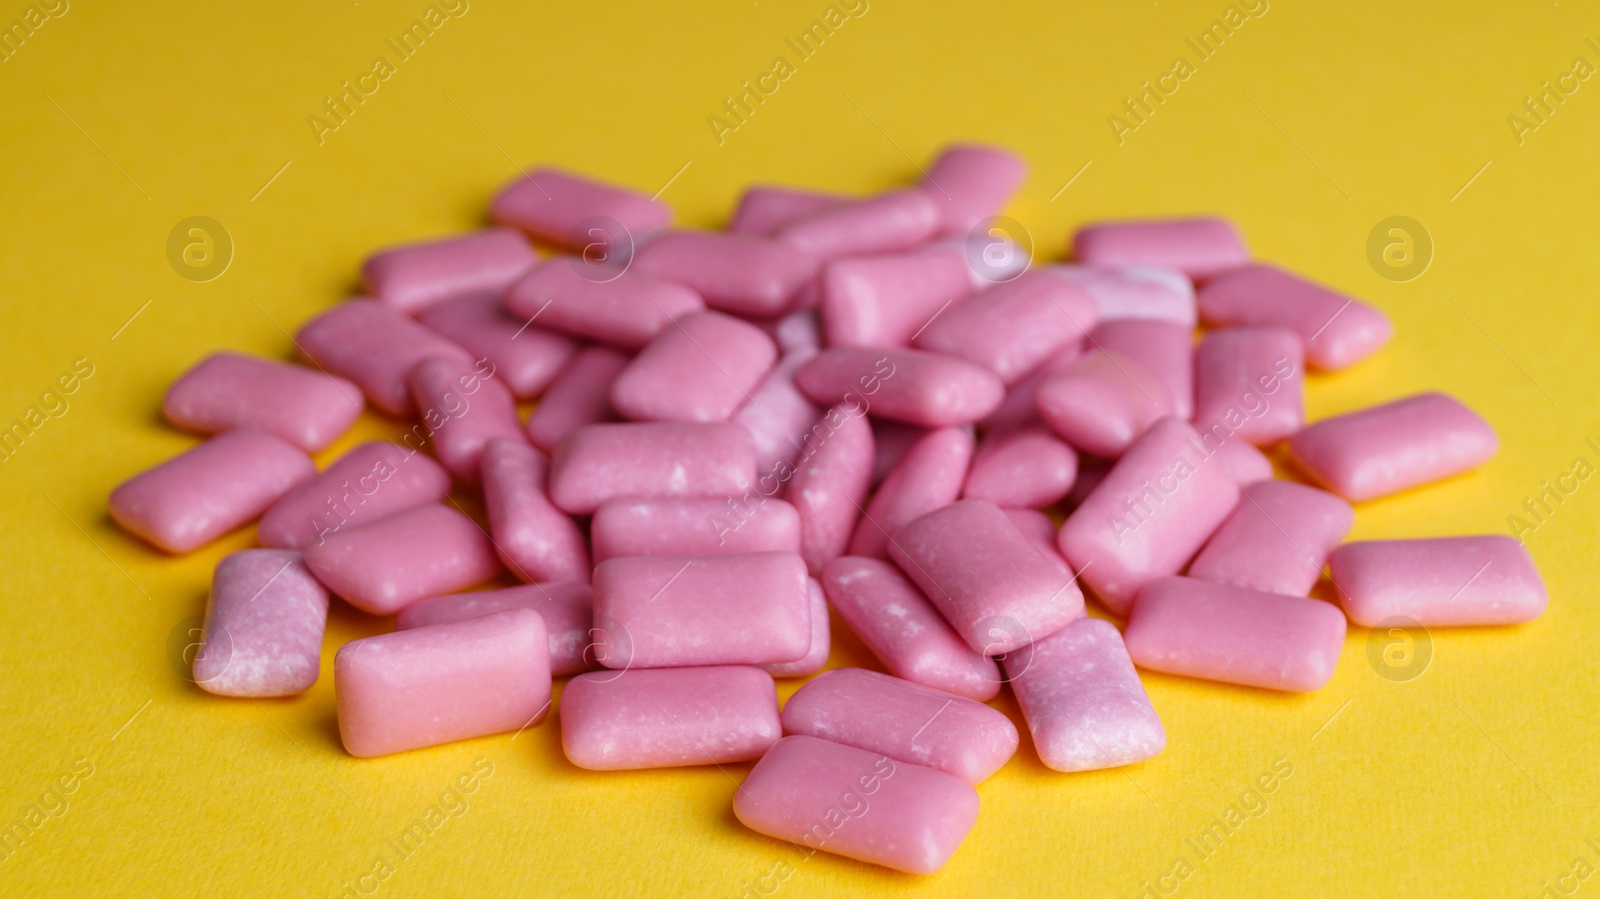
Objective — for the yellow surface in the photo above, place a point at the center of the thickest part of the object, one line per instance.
(1308, 126)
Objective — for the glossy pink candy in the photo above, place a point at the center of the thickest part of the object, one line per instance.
(1338, 330)
(621, 308)
(580, 395)
(1026, 467)
(1041, 534)
(829, 484)
(567, 609)
(1020, 406)
(263, 627)
(777, 415)
(1103, 402)
(1252, 380)
(887, 300)
(537, 541)
(1011, 327)
(441, 683)
(701, 368)
(887, 223)
(1198, 247)
(1276, 540)
(738, 273)
(1164, 349)
(816, 657)
(1243, 462)
(418, 276)
(224, 391)
(372, 480)
(1134, 291)
(972, 182)
(693, 526)
(554, 206)
(524, 357)
(385, 565)
(650, 459)
(462, 408)
(1438, 581)
(765, 208)
(669, 717)
(1401, 444)
(928, 477)
(375, 347)
(920, 388)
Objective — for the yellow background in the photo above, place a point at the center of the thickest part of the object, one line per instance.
(1311, 124)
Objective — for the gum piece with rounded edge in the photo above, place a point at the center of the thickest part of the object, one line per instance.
(1276, 540)
(1438, 581)
(887, 300)
(225, 391)
(887, 223)
(650, 459)
(693, 526)
(816, 658)
(263, 627)
(765, 208)
(1254, 377)
(1026, 467)
(972, 182)
(1243, 462)
(1103, 402)
(1085, 706)
(525, 357)
(896, 814)
(928, 477)
(1041, 534)
(700, 369)
(797, 331)
(615, 306)
(911, 386)
(537, 541)
(383, 566)
(580, 395)
(552, 204)
(567, 609)
(669, 717)
(830, 481)
(1020, 405)
(1150, 514)
(1164, 349)
(738, 273)
(374, 346)
(1198, 247)
(441, 683)
(1180, 625)
(462, 408)
(1401, 444)
(778, 415)
(1135, 291)
(415, 277)
(1338, 330)
(1011, 327)
(224, 483)
(372, 480)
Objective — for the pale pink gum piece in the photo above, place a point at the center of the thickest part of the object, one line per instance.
(622, 308)
(765, 208)
(1011, 327)
(1252, 380)
(385, 565)
(971, 182)
(1180, 625)
(911, 386)
(462, 407)
(567, 609)
(525, 358)
(669, 717)
(1020, 405)
(891, 440)
(830, 480)
(414, 277)
(374, 346)
(1276, 540)
(778, 416)
(1026, 467)
(1198, 247)
(224, 391)
(580, 395)
(1164, 349)
(441, 683)
(1103, 402)
(222, 484)
(701, 368)
(650, 459)
(372, 480)
(886, 300)
(1401, 444)
(693, 526)
(1150, 514)
(887, 223)
(263, 628)
(1135, 291)
(1243, 462)
(550, 204)
(537, 541)
(797, 331)
(1338, 330)
(1085, 705)
(858, 804)
(816, 658)
(739, 273)
(676, 611)
(1438, 581)
(1041, 534)
(928, 477)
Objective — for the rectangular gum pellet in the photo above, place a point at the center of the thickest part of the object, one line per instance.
(816, 657)
(537, 541)
(1027, 466)
(765, 208)
(441, 683)
(1338, 330)
(263, 627)
(828, 482)
(972, 182)
(778, 415)
(462, 407)
(1276, 540)
(650, 459)
(1041, 533)
(615, 306)
(669, 717)
(887, 223)
(1252, 381)
(372, 480)
(1085, 705)
(374, 346)
(1398, 445)
(693, 526)
(739, 273)
(580, 395)
(1195, 628)
(414, 277)
(1103, 402)
(1164, 349)
(858, 804)
(566, 607)
(555, 206)
(524, 357)
(1438, 581)
(903, 720)
(928, 476)
(889, 299)
(1135, 291)
(1198, 247)
(224, 483)
(701, 368)
(308, 408)
(1013, 326)
(672, 611)
(382, 566)
(930, 390)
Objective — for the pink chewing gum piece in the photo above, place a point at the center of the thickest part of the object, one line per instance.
(224, 483)
(1135, 291)
(701, 368)
(971, 182)
(580, 395)
(675, 611)
(1041, 534)
(816, 658)
(984, 576)
(1020, 405)
(224, 391)
(799, 330)
(462, 408)
(567, 609)
(415, 277)
(1153, 510)
(928, 477)
(441, 683)
(374, 346)
(1011, 327)
(1211, 631)
(903, 720)
(525, 358)
(904, 630)
(858, 804)
(1243, 462)
(669, 717)
(1252, 380)
(887, 300)
(1085, 706)
(1025, 467)
(1276, 540)
(263, 628)
(1438, 581)
(1198, 247)
(1164, 350)
(537, 541)
(619, 307)
(778, 416)
(738, 273)
(911, 386)
(1401, 444)
(1103, 403)
(372, 480)
(764, 208)
(553, 205)
(1338, 330)
(887, 223)
(829, 482)
(385, 565)
(650, 459)
(693, 526)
